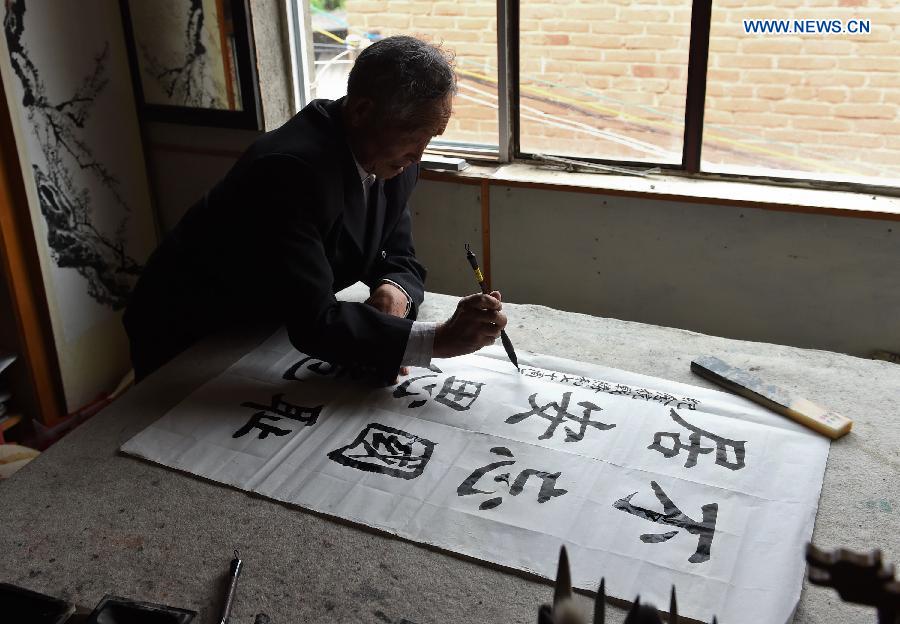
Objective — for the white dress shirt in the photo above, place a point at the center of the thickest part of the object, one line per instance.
(420, 344)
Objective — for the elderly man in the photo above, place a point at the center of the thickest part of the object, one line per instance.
(310, 208)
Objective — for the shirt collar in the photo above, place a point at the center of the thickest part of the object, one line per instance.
(364, 176)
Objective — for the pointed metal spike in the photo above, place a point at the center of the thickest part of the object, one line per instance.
(673, 608)
(632, 616)
(545, 616)
(563, 587)
(600, 603)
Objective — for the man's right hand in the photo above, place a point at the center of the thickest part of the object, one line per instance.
(475, 324)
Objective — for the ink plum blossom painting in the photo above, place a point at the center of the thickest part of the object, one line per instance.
(194, 61)
(646, 482)
(78, 139)
(184, 56)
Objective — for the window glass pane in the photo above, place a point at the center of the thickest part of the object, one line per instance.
(813, 104)
(341, 28)
(604, 79)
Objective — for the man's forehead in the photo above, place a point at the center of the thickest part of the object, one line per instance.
(431, 117)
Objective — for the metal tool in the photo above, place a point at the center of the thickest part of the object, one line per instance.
(236, 565)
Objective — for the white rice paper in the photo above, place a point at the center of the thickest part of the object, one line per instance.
(347, 464)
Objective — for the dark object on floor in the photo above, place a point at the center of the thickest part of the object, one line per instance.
(262, 618)
(233, 573)
(563, 610)
(115, 610)
(860, 578)
(24, 605)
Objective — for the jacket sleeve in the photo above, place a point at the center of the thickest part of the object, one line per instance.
(290, 229)
(399, 263)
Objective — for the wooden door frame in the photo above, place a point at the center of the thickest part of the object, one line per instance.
(22, 272)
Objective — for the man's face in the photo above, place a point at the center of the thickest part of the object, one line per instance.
(386, 150)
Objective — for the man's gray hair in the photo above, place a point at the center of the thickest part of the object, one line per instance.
(404, 76)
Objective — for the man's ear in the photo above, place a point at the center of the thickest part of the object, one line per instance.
(359, 111)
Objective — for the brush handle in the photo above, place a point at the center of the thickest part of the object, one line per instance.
(236, 565)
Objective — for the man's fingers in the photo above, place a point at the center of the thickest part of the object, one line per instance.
(468, 300)
(496, 295)
(493, 318)
(477, 323)
(480, 302)
(489, 340)
(489, 332)
(476, 315)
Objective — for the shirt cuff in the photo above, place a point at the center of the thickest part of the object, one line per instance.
(403, 290)
(420, 345)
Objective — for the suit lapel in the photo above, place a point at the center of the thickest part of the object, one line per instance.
(354, 213)
(354, 208)
(374, 221)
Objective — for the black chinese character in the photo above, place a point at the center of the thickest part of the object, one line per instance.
(694, 449)
(673, 516)
(277, 410)
(314, 365)
(548, 481)
(663, 397)
(457, 394)
(387, 451)
(403, 390)
(642, 393)
(689, 403)
(560, 416)
(321, 368)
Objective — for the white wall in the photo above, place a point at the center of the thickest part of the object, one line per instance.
(446, 216)
(186, 161)
(809, 280)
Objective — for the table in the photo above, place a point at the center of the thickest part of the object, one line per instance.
(83, 520)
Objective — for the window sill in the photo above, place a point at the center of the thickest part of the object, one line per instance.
(677, 188)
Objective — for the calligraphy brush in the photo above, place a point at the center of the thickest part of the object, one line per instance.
(479, 276)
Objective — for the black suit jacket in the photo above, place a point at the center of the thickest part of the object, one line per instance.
(275, 239)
